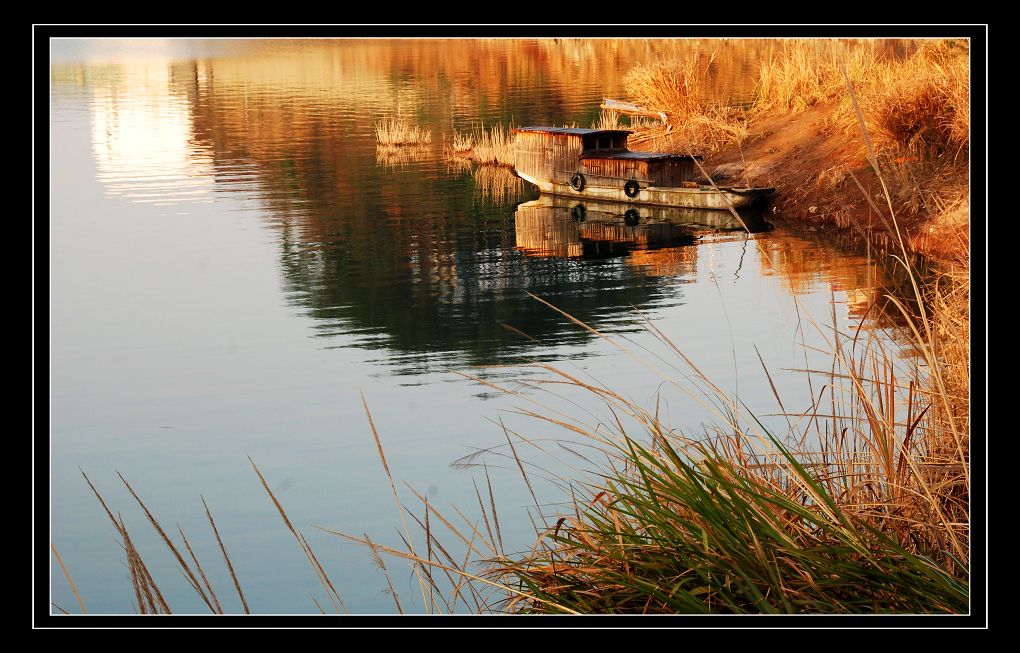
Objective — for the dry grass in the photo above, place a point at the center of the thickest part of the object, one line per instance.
(921, 106)
(802, 74)
(678, 87)
(917, 106)
(608, 119)
(495, 146)
(226, 559)
(67, 575)
(149, 598)
(397, 131)
(918, 116)
(950, 300)
(313, 561)
(675, 86)
(461, 143)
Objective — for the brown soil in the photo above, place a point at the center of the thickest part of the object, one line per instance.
(812, 164)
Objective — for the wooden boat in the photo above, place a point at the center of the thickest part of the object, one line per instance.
(596, 164)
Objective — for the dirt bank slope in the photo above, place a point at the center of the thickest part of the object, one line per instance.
(812, 164)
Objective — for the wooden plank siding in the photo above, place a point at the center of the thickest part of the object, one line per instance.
(614, 172)
(557, 156)
(548, 156)
(672, 172)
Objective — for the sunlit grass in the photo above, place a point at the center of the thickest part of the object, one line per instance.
(860, 508)
(461, 143)
(396, 132)
(678, 87)
(495, 146)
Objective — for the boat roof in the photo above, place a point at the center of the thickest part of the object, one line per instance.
(639, 156)
(571, 131)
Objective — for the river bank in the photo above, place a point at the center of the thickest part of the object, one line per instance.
(813, 166)
(803, 135)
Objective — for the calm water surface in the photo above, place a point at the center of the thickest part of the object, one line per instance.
(235, 264)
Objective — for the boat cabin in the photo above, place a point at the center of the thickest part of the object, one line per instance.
(555, 154)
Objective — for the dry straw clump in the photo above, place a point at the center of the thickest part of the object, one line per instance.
(802, 74)
(495, 146)
(678, 88)
(487, 147)
(675, 86)
(919, 105)
(922, 105)
(397, 132)
(461, 143)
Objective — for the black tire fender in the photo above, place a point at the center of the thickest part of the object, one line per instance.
(577, 182)
(578, 213)
(631, 217)
(631, 188)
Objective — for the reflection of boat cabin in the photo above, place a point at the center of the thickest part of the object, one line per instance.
(543, 228)
(601, 155)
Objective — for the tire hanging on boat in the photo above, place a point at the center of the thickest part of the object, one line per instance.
(577, 182)
(631, 217)
(631, 188)
(578, 213)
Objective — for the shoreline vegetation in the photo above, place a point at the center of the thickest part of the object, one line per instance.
(859, 505)
(396, 132)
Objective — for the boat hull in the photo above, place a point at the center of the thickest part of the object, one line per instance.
(703, 197)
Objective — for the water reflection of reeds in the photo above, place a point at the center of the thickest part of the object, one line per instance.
(392, 157)
(497, 184)
(458, 165)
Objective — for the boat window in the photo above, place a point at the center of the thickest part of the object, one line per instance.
(605, 142)
(620, 141)
(589, 142)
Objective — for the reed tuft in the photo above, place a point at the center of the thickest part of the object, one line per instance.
(397, 132)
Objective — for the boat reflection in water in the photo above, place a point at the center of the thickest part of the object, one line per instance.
(562, 227)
